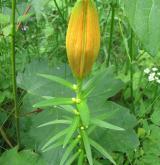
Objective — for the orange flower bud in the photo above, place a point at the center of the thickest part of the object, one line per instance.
(83, 37)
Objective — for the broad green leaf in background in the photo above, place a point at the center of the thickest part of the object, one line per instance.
(113, 140)
(25, 157)
(107, 87)
(39, 86)
(90, 85)
(54, 138)
(144, 17)
(36, 88)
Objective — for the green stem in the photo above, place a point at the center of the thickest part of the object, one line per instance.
(13, 65)
(131, 71)
(78, 96)
(111, 34)
(2, 132)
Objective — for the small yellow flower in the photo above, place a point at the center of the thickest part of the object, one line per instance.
(83, 37)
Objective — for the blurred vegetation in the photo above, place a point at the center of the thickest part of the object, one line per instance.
(40, 47)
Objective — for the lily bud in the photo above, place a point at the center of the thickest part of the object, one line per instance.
(83, 37)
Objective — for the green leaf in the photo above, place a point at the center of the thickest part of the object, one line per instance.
(72, 159)
(58, 80)
(52, 146)
(68, 108)
(4, 19)
(101, 150)
(104, 124)
(55, 122)
(38, 86)
(122, 141)
(106, 88)
(81, 158)
(25, 157)
(142, 15)
(87, 147)
(53, 102)
(151, 147)
(155, 117)
(84, 112)
(71, 130)
(68, 151)
(90, 85)
(54, 138)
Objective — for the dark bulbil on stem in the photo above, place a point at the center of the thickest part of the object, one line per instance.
(13, 69)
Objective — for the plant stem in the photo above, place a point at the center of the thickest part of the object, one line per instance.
(131, 71)
(2, 132)
(78, 96)
(111, 34)
(13, 69)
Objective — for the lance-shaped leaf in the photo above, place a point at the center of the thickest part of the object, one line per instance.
(87, 147)
(104, 124)
(68, 151)
(58, 80)
(102, 151)
(54, 102)
(72, 158)
(71, 130)
(68, 108)
(90, 85)
(81, 158)
(55, 122)
(54, 145)
(54, 138)
(84, 112)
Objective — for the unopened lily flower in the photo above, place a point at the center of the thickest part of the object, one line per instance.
(83, 37)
